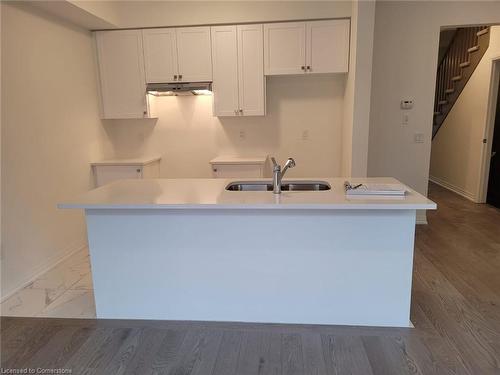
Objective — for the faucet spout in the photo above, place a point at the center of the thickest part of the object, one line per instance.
(278, 173)
(290, 163)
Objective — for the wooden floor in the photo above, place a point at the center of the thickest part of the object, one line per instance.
(455, 310)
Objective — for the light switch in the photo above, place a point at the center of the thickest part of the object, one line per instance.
(407, 104)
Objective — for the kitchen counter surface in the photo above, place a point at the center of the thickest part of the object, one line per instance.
(211, 194)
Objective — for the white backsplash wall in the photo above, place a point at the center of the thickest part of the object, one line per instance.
(304, 121)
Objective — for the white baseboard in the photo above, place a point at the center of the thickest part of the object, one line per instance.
(53, 261)
(447, 185)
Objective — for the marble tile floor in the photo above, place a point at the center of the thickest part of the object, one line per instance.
(64, 291)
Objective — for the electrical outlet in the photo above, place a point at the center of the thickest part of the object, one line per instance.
(418, 138)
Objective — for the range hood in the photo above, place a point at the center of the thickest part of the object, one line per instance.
(178, 89)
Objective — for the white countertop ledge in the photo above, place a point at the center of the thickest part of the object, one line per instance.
(211, 194)
(239, 160)
(135, 162)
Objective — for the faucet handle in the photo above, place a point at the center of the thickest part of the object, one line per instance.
(276, 166)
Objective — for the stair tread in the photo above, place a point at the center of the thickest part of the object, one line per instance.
(437, 113)
(465, 64)
(449, 91)
(483, 31)
(473, 49)
(443, 102)
(456, 78)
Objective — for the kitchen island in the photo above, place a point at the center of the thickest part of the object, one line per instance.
(188, 249)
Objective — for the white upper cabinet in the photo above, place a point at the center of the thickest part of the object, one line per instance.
(177, 55)
(225, 70)
(236, 58)
(238, 72)
(327, 46)
(306, 47)
(284, 48)
(251, 70)
(193, 51)
(121, 74)
(160, 55)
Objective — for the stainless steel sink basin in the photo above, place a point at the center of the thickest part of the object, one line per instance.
(305, 186)
(285, 186)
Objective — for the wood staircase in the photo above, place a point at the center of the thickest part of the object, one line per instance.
(464, 53)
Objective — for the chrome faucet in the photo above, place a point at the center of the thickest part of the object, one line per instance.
(278, 173)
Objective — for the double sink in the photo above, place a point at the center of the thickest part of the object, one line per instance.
(285, 186)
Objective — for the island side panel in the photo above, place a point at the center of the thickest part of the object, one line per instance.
(350, 267)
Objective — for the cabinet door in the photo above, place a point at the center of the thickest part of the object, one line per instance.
(284, 48)
(327, 46)
(160, 55)
(121, 73)
(193, 54)
(251, 70)
(105, 174)
(225, 70)
(237, 171)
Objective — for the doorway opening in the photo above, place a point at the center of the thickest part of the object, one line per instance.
(466, 92)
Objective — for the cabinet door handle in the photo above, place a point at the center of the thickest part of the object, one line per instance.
(180, 76)
(138, 170)
(308, 68)
(303, 67)
(145, 104)
(241, 111)
(175, 77)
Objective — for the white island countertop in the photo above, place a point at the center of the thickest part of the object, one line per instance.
(211, 194)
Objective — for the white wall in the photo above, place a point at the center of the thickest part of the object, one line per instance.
(102, 14)
(1, 117)
(187, 136)
(356, 120)
(404, 66)
(50, 133)
(174, 13)
(456, 156)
